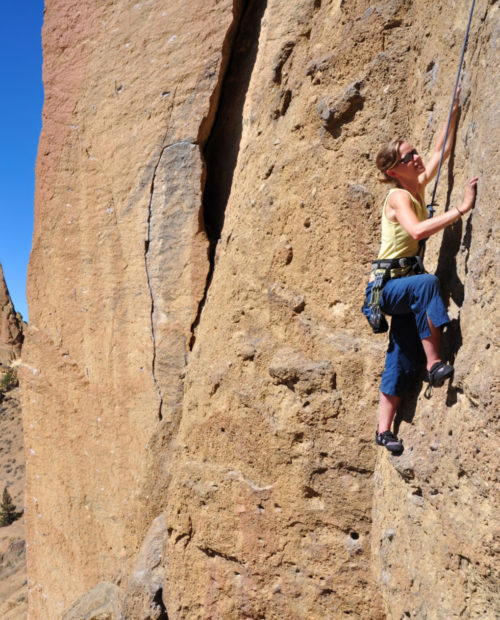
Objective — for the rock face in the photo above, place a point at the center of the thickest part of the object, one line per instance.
(13, 590)
(101, 603)
(199, 386)
(11, 326)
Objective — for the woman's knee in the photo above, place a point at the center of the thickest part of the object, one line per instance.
(429, 283)
(430, 279)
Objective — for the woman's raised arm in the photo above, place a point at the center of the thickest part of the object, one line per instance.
(432, 165)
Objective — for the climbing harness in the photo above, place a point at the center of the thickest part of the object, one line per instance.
(432, 204)
(384, 269)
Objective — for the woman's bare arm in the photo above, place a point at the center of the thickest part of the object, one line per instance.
(401, 209)
(432, 165)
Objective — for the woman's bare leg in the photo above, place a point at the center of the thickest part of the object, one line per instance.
(387, 411)
(388, 403)
(432, 345)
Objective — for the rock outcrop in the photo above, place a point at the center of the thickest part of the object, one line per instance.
(13, 591)
(12, 326)
(199, 386)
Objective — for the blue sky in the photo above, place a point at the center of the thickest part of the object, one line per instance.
(21, 114)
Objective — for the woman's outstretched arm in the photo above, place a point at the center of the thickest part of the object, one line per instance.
(432, 165)
(400, 202)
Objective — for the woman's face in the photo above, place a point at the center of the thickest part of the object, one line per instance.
(410, 162)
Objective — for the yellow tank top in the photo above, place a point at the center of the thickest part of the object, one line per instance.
(396, 242)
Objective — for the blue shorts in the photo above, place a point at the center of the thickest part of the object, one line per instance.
(409, 300)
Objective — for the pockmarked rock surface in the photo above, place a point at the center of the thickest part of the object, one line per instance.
(199, 385)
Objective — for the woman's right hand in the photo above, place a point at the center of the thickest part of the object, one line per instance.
(456, 101)
(469, 195)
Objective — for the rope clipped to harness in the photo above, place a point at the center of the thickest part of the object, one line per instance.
(431, 205)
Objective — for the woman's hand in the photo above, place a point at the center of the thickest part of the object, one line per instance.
(469, 196)
(456, 102)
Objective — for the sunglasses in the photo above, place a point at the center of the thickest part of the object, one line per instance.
(408, 157)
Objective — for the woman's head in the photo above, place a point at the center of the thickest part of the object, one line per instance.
(387, 158)
(399, 163)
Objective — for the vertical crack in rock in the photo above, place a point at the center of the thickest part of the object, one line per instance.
(222, 145)
(148, 279)
(171, 251)
(146, 262)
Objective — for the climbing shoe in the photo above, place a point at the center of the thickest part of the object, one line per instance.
(390, 441)
(437, 375)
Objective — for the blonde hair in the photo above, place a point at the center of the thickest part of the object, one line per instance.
(387, 158)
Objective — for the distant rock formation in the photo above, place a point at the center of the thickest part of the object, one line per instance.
(13, 588)
(11, 326)
(199, 386)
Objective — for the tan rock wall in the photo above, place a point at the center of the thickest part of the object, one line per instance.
(435, 541)
(122, 98)
(244, 421)
(305, 188)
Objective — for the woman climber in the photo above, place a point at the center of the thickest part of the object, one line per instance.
(399, 285)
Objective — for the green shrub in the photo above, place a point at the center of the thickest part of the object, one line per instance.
(9, 380)
(8, 512)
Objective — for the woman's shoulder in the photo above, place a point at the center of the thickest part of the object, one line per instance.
(397, 193)
(399, 198)
(398, 189)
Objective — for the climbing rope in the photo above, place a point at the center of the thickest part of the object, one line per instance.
(430, 206)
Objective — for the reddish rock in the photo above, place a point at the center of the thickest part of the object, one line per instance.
(12, 326)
